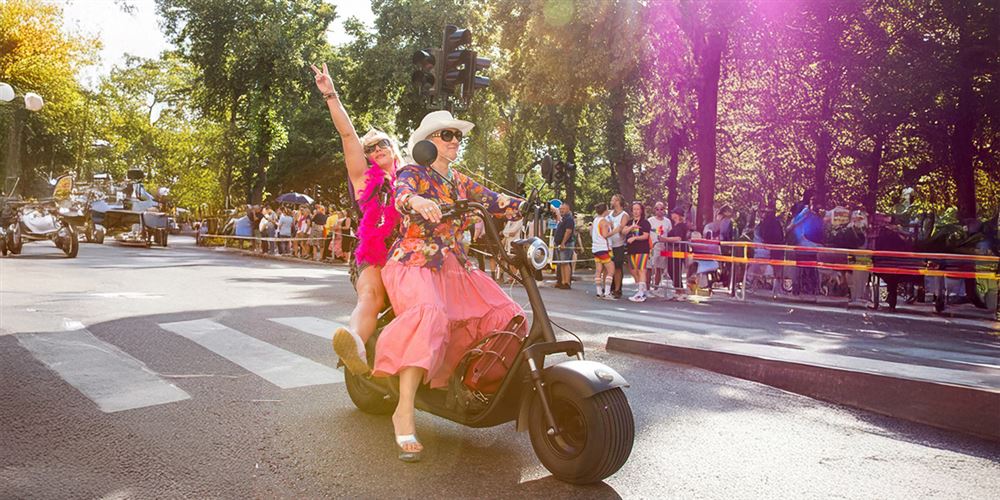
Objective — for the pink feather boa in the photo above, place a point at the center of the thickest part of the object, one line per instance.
(377, 221)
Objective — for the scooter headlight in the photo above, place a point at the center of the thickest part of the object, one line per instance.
(537, 254)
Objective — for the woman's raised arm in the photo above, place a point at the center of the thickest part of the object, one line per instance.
(354, 154)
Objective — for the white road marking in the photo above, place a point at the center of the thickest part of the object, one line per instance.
(322, 328)
(278, 366)
(110, 378)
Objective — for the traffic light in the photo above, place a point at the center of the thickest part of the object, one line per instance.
(456, 56)
(471, 81)
(424, 76)
(547, 169)
(559, 174)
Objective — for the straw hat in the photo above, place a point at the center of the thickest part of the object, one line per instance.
(434, 121)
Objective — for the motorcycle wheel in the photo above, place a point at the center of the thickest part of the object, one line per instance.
(14, 242)
(88, 232)
(365, 398)
(99, 236)
(3, 246)
(72, 246)
(596, 438)
(163, 238)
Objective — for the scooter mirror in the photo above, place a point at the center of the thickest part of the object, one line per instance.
(424, 153)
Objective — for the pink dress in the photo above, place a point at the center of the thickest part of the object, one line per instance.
(443, 304)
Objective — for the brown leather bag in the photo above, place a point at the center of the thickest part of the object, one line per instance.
(488, 363)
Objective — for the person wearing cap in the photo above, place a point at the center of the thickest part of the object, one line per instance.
(443, 304)
(371, 163)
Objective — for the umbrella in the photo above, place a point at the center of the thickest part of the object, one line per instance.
(295, 198)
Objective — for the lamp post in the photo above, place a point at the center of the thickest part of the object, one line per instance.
(31, 102)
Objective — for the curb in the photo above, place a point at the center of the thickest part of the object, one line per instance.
(957, 408)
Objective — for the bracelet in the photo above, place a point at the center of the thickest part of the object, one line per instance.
(331, 95)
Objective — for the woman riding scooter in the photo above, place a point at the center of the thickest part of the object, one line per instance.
(443, 304)
(371, 168)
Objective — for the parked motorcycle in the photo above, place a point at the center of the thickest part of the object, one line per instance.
(575, 411)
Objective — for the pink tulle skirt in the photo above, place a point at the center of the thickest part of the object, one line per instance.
(439, 316)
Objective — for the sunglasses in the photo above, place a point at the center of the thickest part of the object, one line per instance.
(448, 135)
(384, 144)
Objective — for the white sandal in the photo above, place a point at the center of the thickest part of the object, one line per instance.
(407, 456)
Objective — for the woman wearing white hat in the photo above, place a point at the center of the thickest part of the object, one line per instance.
(371, 171)
(443, 304)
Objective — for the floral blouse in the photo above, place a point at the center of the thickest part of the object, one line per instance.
(425, 243)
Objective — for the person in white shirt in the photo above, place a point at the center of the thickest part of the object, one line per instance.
(660, 226)
(285, 222)
(619, 220)
(604, 266)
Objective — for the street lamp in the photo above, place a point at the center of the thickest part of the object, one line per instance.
(32, 102)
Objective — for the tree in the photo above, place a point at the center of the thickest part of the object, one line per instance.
(36, 55)
(249, 62)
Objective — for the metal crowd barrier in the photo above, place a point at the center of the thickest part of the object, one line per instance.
(880, 262)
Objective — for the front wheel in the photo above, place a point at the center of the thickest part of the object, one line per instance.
(596, 434)
(72, 245)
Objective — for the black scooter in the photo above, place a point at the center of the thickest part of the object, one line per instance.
(577, 415)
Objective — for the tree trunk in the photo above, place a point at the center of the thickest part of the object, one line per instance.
(708, 103)
(622, 172)
(962, 148)
(672, 164)
(570, 147)
(824, 140)
(874, 168)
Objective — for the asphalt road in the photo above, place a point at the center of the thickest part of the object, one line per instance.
(235, 422)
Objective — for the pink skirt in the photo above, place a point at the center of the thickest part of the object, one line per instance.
(439, 316)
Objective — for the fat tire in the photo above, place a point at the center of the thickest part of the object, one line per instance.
(366, 399)
(610, 429)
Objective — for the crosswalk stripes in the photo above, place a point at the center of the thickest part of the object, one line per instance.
(106, 375)
(278, 366)
(322, 328)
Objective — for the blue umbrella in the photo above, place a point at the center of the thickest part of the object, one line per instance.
(295, 198)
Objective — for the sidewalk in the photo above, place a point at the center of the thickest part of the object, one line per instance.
(941, 371)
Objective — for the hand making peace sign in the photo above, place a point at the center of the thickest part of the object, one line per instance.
(323, 81)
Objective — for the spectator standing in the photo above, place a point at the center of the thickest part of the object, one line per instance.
(302, 232)
(678, 233)
(316, 236)
(268, 225)
(565, 238)
(659, 226)
(619, 219)
(331, 229)
(512, 231)
(347, 226)
(637, 240)
(285, 224)
(603, 265)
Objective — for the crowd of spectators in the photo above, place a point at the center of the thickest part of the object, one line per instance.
(316, 232)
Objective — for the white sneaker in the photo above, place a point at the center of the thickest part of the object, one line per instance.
(638, 297)
(656, 292)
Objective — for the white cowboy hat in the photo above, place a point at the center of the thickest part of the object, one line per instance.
(434, 121)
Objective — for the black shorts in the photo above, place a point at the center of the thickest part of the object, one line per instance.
(618, 257)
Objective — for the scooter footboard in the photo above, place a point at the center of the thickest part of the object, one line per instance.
(583, 377)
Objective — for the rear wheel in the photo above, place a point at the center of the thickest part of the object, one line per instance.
(366, 398)
(596, 434)
(3, 246)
